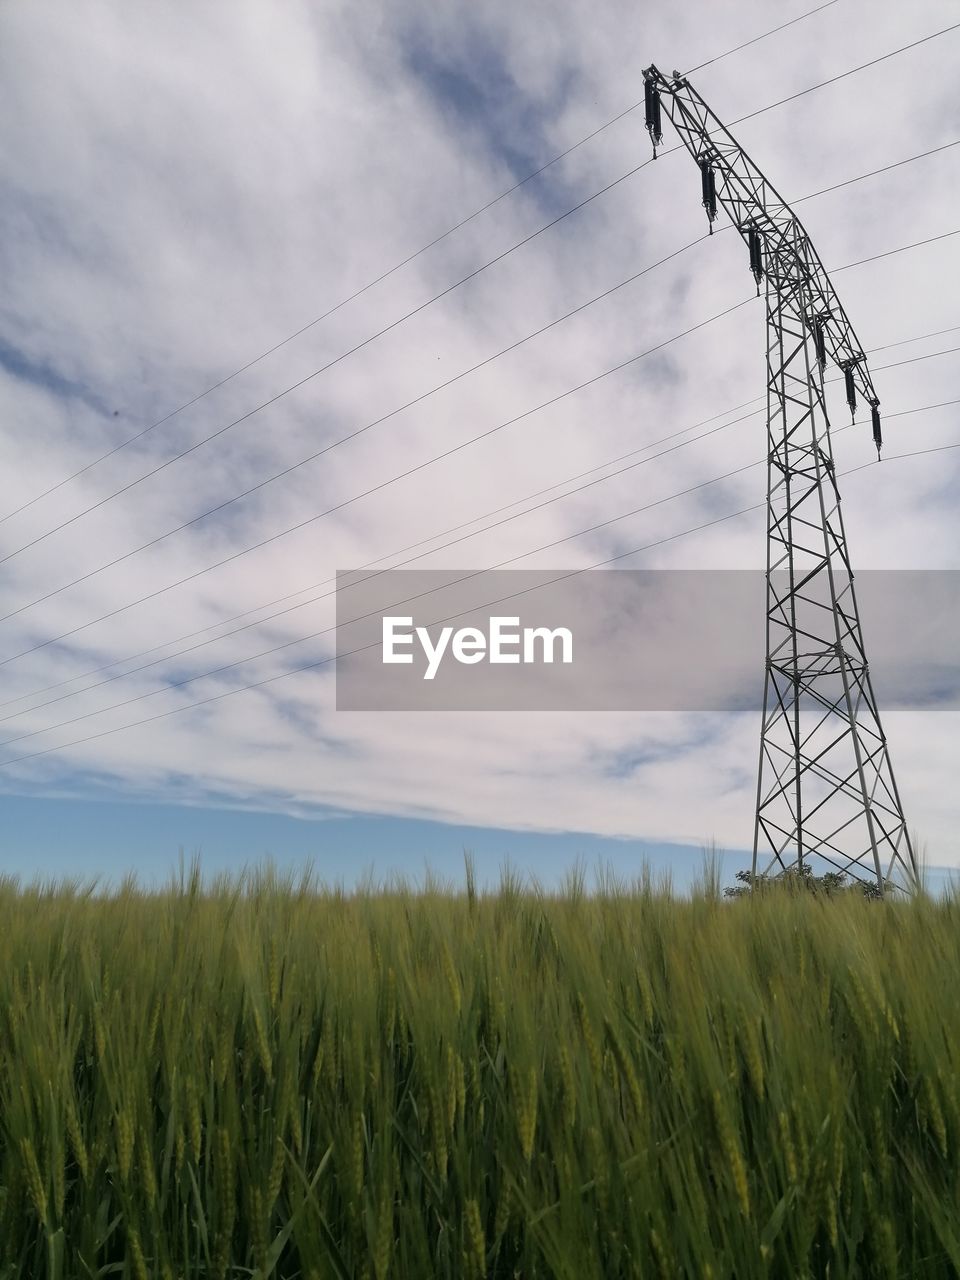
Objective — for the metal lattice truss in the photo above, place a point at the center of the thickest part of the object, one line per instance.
(826, 787)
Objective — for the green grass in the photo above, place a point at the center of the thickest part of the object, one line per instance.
(256, 1078)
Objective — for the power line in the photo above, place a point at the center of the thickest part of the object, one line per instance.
(431, 551)
(513, 346)
(190, 635)
(456, 528)
(320, 515)
(837, 186)
(299, 670)
(916, 453)
(747, 43)
(422, 306)
(359, 431)
(322, 662)
(898, 364)
(843, 75)
(147, 475)
(379, 279)
(313, 635)
(937, 333)
(902, 249)
(249, 365)
(293, 528)
(374, 489)
(409, 404)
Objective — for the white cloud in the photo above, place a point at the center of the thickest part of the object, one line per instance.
(183, 188)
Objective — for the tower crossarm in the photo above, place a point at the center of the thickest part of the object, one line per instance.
(777, 241)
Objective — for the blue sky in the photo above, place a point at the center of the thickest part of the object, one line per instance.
(175, 208)
(109, 839)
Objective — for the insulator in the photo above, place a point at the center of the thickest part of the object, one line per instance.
(652, 116)
(819, 342)
(755, 245)
(875, 417)
(851, 389)
(708, 182)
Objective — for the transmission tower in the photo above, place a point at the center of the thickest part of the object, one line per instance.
(825, 788)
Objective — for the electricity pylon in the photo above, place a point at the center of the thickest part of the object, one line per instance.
(825, 787)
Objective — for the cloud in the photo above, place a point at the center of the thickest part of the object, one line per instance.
(177, 196)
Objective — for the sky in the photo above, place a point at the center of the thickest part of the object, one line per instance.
(178, 198)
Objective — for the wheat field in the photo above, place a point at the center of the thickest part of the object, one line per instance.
(259, 1077)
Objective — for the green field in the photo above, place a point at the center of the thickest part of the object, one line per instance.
(257, 1077)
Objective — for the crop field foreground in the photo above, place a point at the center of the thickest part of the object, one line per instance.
(259, 1077)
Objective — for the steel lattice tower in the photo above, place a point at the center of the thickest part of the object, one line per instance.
(826, 787)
